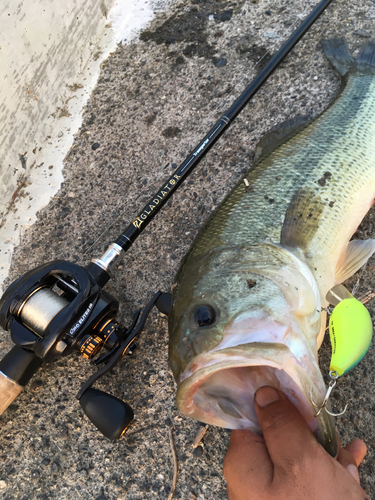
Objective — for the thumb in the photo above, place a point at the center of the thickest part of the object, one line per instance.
(286, 433)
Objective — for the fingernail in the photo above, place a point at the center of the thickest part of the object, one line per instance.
(354, 472)
(266, 395)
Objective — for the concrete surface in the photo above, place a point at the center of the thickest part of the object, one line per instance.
(154, 100)
(50, 57)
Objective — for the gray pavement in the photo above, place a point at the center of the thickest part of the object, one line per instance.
(154, 101)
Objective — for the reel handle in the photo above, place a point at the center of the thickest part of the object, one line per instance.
(16, 369)
(109, 414)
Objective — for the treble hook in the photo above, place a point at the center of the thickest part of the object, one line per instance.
(334, 376)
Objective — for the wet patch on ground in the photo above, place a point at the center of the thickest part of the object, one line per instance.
(188, 26)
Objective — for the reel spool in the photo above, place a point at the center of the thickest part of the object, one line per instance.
(39, 309)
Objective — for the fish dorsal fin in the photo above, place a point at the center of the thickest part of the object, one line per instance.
(279, 134)
(338, 53)
(353, 258)
(366, 58)
(301, 219)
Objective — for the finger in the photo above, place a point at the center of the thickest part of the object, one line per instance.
(358, 449)
(353, 453)
(351, 456)
(247, 457)
(286, 434)
(346, 459)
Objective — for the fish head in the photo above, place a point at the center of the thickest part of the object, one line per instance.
(242, 318)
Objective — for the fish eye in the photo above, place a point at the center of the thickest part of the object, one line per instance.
(204, 315)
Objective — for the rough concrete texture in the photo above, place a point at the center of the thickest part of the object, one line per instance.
(154, 101)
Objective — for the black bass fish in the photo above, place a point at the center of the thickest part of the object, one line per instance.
(247, 307)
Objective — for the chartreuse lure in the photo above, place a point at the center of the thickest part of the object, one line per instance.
(350, 331)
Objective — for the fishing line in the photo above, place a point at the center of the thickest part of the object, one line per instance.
(356, 286)
(212, 113)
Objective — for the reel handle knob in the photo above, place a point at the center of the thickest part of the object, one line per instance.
(164, 302)
(109, 414)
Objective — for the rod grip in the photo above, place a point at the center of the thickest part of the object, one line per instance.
(16, 369)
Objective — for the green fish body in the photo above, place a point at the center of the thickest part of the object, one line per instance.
(247, 308)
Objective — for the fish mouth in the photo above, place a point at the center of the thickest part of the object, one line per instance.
(218, 388)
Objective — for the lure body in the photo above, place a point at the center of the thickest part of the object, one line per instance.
(350, 329)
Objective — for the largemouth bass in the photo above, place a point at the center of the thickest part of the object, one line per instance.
(247, 307)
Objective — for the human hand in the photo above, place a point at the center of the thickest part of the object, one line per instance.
(288, 463)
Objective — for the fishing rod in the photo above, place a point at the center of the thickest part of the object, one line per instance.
(59, 307)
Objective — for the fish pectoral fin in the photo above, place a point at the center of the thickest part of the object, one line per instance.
(301, 219)
(353, 258)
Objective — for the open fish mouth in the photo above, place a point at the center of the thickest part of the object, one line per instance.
(218, 388)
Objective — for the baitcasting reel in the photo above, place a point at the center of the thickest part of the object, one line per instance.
(59, 307)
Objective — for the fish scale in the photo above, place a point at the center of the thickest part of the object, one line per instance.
(246, 216)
